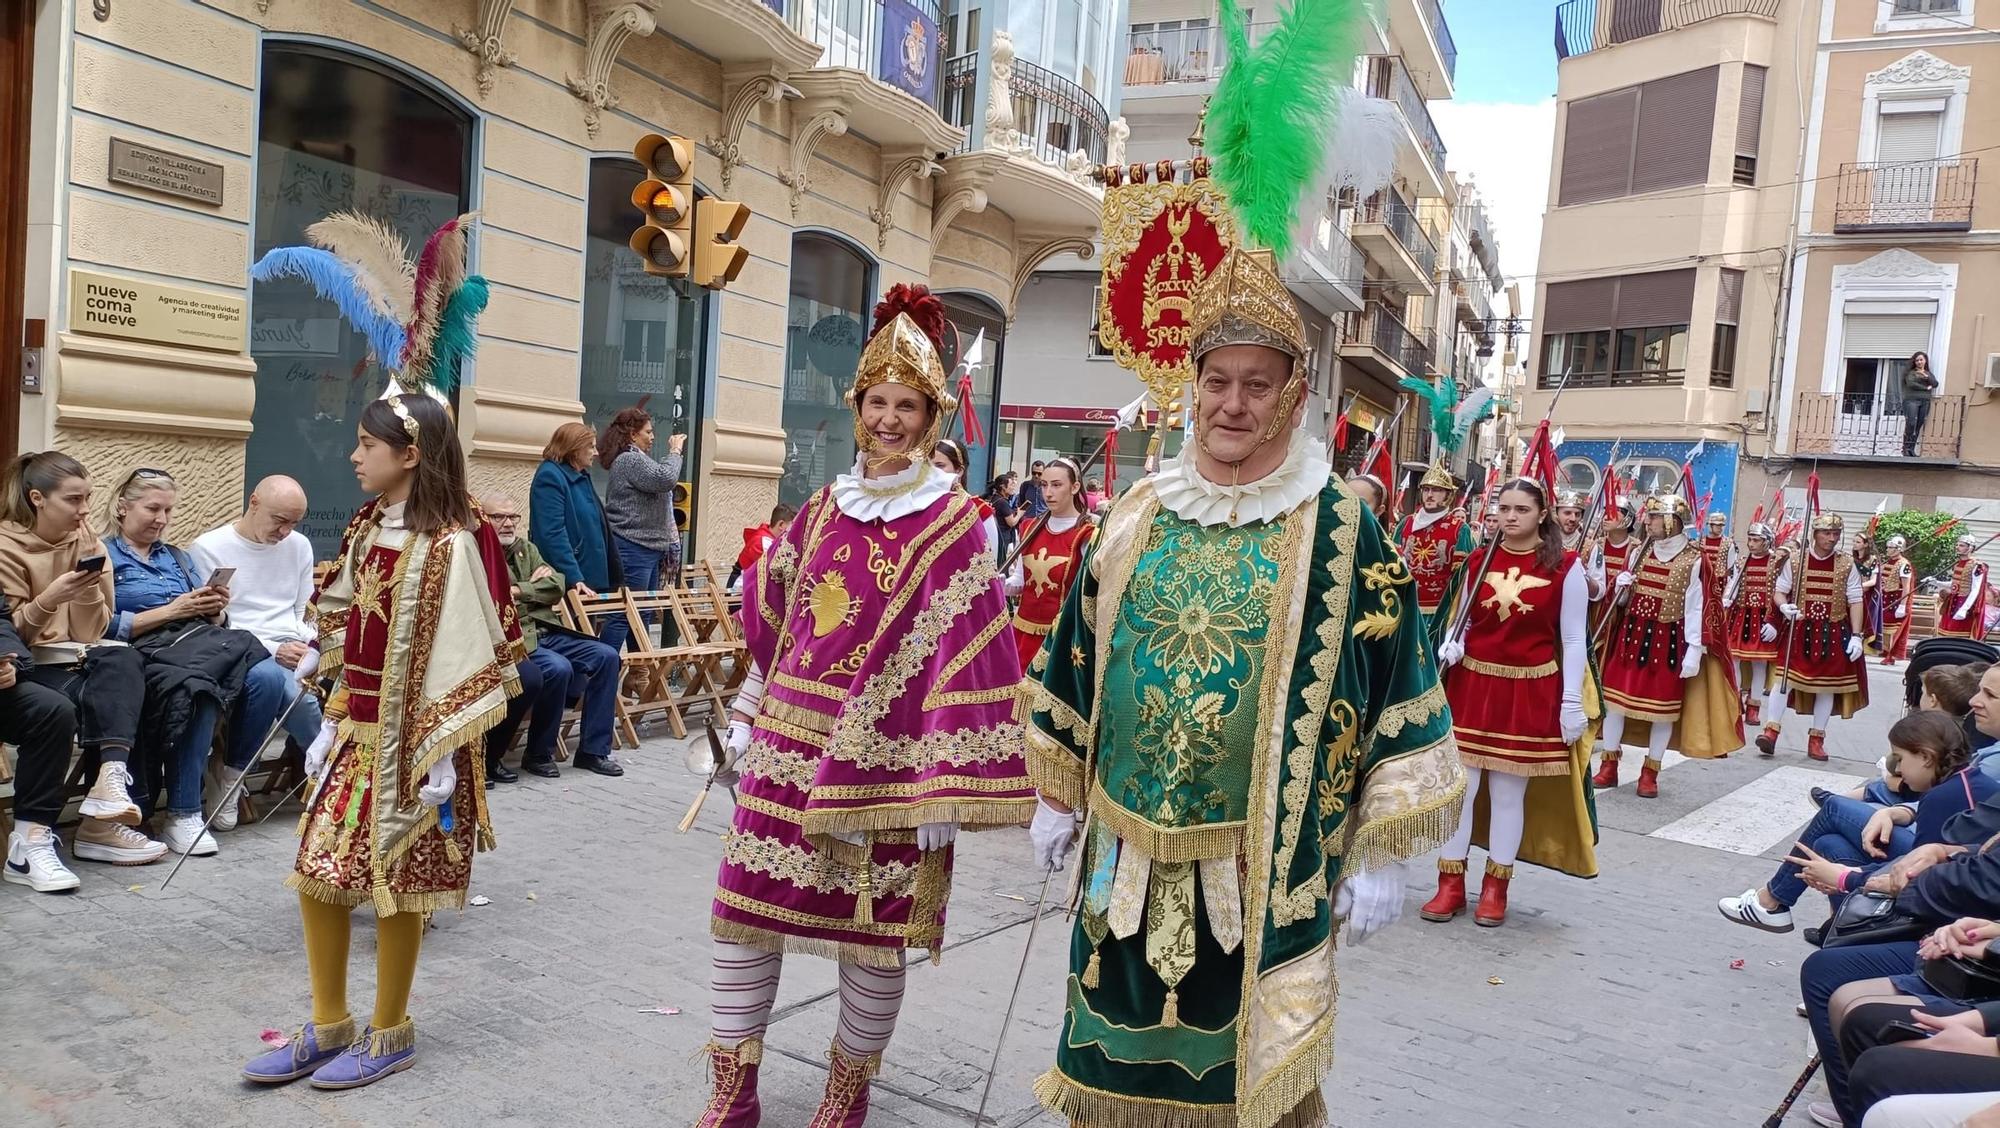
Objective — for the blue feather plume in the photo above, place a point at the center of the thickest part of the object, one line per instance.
(456, 339)
(333, 279)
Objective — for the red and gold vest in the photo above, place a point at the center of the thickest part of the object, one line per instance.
(1822, 592)
(1894, 577)
(1515, 626)
(1759, 576)
(1046, 571)
(1432, 556)
(1961, 578)
(1659, 589)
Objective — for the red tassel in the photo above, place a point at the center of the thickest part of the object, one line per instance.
(1111, 461)
(1340, 432)
(968, 414)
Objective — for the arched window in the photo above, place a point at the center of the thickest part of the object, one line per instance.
(336, 132)
(832, 295)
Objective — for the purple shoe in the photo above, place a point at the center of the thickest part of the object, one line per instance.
(310, 1048)
(373, 1056)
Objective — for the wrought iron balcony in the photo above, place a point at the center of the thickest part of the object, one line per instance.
(1440, 30)
(1389, 77)
(852, 35)
(1590, 25)
(1389, 211)
(1906, 196)
(1056, 117)
(1379, 342)
(1870, 428)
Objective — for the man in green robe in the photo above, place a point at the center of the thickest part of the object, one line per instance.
(1241, 713)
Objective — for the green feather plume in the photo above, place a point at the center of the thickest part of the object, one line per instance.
(1270, 121)
(456, 337)
(1443, 404)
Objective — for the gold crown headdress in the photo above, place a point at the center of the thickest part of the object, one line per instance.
(1828, 521)
(1669, 504)
(906, 347)
(1437, 477)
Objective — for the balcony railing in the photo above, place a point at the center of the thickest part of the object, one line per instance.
(1385, 331)
(1588, 25)
(1164, 56)
(1384, 208)
(1389, 78)
(851, 32)
(1906, 196)
(1867, 427)
(1337, 252)
(957, 91)
(1440, 30)
(1056, 117)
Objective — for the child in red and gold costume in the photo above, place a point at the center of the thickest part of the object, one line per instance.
(1435, 543)
(1823, 648)
(1962, 606)
(1895, 583)
(1754, 619)
(1518, 681)
(1656, 668)
(1050, 555)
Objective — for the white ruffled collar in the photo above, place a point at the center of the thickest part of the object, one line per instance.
(897, 495)
(1188, 495)
(1666, 548)
(392, 515)
(1424, 518)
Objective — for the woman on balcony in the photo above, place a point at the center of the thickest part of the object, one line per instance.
(1920, 385)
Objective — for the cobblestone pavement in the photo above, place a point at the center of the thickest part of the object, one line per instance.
(1606, 1002)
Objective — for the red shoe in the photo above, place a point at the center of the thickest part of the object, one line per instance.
(845, 1103)
(1450, 899)
(1607, 773)
(1751, 714)
(1649, 788)
(1492, 912)
(1815, 745)
(1767, 741)
(734, 1102)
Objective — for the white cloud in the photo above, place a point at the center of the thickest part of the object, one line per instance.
(1504, 148)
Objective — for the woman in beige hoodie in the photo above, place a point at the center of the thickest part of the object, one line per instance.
(53, 573)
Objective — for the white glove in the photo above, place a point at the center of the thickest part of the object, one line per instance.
(1573, 721)
(1769, 633)
(1790, 611)
(1624, 580)
(1370, 902)
(307, 664)
(322, 747)
(438, 784)
(1729, 604)
(1691, 665)
(1054, 833)
(733, 748)
(936, 836)
(1854, 648)
(851, 837)
(1450, 652)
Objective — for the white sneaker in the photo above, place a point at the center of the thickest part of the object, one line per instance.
(221, 781)
(1747, 909)
(110, 797)
(34, 861)
(1824, 1114)
(185, 834)
(100, 841)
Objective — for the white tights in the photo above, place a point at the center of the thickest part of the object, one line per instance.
(1506, 808)
(1774, 709)
(1758, 672)
(1614, 732)
(745, 985)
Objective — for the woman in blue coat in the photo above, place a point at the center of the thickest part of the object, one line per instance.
(566, 521)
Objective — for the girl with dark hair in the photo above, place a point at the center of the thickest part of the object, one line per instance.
(1517, 683)
(422, 667)
(948, 456)
(1006, 514)
(1920, 388)
(1050, 559)
(639, 499)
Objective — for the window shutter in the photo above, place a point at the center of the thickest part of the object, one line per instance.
(1590, 303)
(1908, 137)
(1664, 297)
(1750, 111)
(1676, 131)
(1729, 297)
(1597, 147)
(1893, 335)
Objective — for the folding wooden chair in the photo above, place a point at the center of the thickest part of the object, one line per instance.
(581, 613)
(710, 604)
(698, 663)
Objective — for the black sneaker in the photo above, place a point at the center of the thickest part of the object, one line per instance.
(602, 765)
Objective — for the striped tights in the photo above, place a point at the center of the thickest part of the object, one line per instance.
(745, 985)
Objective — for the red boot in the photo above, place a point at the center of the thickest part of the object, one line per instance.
(1492, 911)
(1751, 714)
(1607, 771)
(1815, 744)
(845, 1102)
(1649, 786)
(734, 1102)
(1450, 899)
(1767, 741)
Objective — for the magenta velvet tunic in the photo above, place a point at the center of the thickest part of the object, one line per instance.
(890, 682)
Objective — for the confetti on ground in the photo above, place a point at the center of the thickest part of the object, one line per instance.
(1495, 981)
(1012, 897)
(1736, 965)
(481, 901)
(134, 888)
(275, 1039)
(659, 1010)
(531, 896)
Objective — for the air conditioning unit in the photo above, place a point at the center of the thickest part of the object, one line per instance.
(1993, 370)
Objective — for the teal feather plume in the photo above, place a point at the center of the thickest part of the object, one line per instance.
(1270, 121)
(1442, 405)
(456, 337)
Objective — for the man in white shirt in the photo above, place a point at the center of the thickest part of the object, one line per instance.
(267, 597)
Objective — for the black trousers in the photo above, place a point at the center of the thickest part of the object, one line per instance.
(500, 737)
(1916, 413)
(1878, 1070)
(41, 723)
(103, 697)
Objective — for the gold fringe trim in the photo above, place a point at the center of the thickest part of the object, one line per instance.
(1165, 844)
(1406, 834)
(394, 1040)
(1559, 767)
(1290, 1096)
(333, 1034)
(1098, 1108)
(331, 894)
(1516, 673)
(969, 814)
(750, 1051)
(1655, 765)
(1092, 971)
(1446, 865)
(1495, 869)
(1611, 754)
(1054, 769)
(464, 737)
(764, 940)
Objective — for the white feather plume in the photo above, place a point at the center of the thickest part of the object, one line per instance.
(1365, 140)
(1470, 410)
(380, 258)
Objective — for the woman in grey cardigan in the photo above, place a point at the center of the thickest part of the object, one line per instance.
(639, 500)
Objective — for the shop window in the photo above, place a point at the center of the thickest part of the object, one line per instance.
(970, 315)
(832, 294)
(336, 132)
(1077, 442)
(643, 337)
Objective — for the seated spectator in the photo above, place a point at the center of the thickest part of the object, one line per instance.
(59, 592)
(575, 667)
(41, 724)
(196, 671)
(758, 540)
(272, 584)
(1838, 843)
(567, 523)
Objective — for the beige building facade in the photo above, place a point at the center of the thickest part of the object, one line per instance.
(170, 143)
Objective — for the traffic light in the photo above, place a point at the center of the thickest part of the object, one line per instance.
(665, 200)
(717, 258)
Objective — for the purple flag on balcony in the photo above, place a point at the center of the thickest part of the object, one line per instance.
(777, 6)
(909, 56)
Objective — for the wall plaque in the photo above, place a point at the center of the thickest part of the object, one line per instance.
(106, 305)
(147, 167)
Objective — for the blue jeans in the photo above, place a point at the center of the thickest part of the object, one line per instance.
(1834, 834)
(594, 680)
(1828, 970)
(267, 689)
(642, 573)
(547, 709)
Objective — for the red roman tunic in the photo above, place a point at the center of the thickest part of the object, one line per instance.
(1754, 608)
(1642, 664)
(1818, 661)
(1433, 556)
(1715, 560)
(1963, 582)
(1893, 585)
(1047, 568)
(1506, 693)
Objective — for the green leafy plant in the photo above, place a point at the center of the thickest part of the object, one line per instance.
(1929, 550)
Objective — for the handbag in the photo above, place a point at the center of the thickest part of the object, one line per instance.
(1965, 979)
(1871, 918)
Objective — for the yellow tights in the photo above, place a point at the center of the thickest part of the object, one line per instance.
(397, 940)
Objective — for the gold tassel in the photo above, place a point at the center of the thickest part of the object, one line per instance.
(385, 901)
(864, 901)
(451, 851)
(1448, 866)
(1170, 1015)
(1091, 970)
(486, 841)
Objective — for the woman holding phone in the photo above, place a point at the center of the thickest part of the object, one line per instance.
(52, 571)
(196, 671)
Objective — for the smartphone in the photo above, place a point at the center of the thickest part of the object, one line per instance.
(220, 577)
(1900, 1031)
(90, 564)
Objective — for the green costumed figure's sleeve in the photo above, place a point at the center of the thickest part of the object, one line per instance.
(1059, 694)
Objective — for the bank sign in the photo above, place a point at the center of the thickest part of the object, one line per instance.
(106, 305)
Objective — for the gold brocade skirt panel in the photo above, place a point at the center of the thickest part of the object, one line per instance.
(336, 856)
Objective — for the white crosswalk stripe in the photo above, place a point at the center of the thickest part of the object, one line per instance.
(1759, 815)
